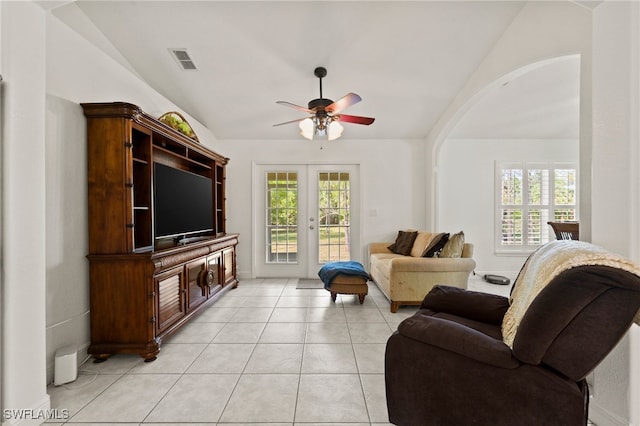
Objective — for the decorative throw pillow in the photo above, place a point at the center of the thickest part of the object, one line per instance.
(436, 244)
(454, 246)
(404, 242)
(421, 243)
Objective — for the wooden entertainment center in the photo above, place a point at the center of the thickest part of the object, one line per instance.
(143, 287)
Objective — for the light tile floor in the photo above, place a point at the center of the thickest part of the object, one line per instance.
(265, 353)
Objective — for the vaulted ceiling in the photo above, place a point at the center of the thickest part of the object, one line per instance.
(407, 60)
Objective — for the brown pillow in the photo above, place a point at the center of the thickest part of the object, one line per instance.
(454, 246)
(404, 242)
(436, 244)
(421, 243)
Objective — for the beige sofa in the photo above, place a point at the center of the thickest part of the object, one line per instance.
(405, 280)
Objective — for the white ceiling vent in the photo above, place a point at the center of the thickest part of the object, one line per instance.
(183, 59)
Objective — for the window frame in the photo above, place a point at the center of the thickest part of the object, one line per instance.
(525, 166)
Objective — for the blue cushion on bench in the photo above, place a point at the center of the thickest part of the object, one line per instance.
(331, 270)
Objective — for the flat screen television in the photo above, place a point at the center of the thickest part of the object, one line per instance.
(183, 203)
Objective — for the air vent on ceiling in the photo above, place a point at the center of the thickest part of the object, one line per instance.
(183, 58)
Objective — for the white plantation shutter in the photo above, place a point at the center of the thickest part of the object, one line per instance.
(527, 196)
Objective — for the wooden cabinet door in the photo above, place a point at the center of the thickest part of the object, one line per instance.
(229, 258)
(198, 278)
(170, 290)
(214, 263)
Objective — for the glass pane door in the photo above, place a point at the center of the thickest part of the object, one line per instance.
(334, 213)
(281, 217)
(304, 218)
(334, 210)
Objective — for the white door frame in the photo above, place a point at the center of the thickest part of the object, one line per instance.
(258, 207)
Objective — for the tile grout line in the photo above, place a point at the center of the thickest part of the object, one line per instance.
(355, 358)
(226, 404)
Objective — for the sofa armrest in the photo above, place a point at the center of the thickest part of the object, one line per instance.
(432, 264)
(379, 248)
(483, 307)
(457, 338)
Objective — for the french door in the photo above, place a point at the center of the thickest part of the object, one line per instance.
(305, 216)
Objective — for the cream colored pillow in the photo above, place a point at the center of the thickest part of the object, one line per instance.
(421, 243)
(454, 246)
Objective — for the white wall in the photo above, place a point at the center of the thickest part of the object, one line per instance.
(392, 183)
(23, 202)
(466, 188)
(67, 269)
(78, 72)
(615, 221)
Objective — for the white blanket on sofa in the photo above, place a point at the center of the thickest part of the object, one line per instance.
(546, 263)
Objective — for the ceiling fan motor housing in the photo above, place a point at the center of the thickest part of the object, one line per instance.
(319, 104)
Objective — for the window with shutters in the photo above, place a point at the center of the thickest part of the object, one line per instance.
(527, 196)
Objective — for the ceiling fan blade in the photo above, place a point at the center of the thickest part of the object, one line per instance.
(344, 102)
(289, 122)
(298, 107)
(354, 119)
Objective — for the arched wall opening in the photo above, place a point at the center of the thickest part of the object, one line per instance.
(531, 114)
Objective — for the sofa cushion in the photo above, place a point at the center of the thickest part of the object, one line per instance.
(384, 266)
(404, 242)
(436, 244)
(454, 245)
(421, 243)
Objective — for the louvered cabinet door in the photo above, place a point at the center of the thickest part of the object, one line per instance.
(170, 291)
(229, 262)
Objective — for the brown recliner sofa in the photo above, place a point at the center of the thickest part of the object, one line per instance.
(470, 358)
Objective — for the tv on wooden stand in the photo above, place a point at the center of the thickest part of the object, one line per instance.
(159, 251)
(183, 205)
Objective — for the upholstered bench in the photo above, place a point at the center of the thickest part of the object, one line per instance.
(345, 278)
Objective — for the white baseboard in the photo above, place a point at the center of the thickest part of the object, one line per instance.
(602, 417)
(244, 275)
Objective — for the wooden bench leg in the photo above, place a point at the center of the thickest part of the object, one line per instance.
(394, 307)
(361, 297)
(333, 295)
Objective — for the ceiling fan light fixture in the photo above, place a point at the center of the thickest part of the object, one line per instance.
(320, 128)
(307, 128)
(335, 130)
